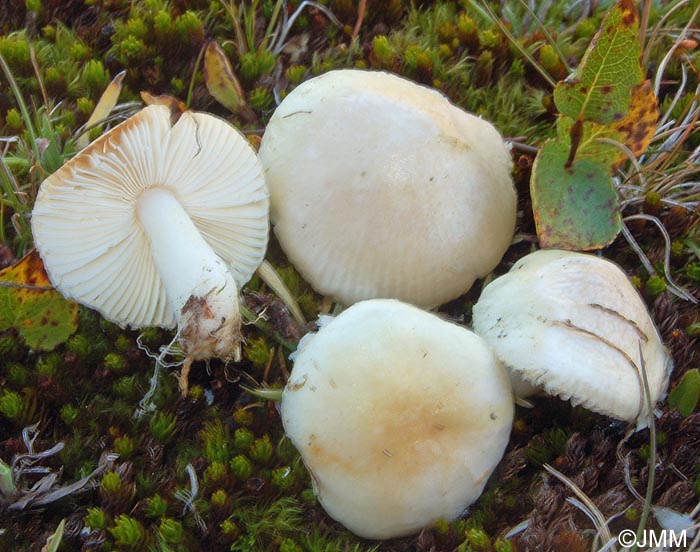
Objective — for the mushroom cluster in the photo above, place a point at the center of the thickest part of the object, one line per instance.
(159, 222)
(399, 416)
(382, 188)
(378, 188)
(573, 325)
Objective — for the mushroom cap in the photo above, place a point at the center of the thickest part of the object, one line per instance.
(571, 324)
(84, 220)
(399, 416)
(380, 187)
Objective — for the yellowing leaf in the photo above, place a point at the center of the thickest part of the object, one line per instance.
(222, 82)
(600, 89)
(637, 128)
(104, 106)
(29, 304)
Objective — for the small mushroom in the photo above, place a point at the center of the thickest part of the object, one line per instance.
(158, 223)
(380, 187)
(400, 417)
(572, 324)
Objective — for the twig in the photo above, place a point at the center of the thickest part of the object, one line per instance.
(360, 18)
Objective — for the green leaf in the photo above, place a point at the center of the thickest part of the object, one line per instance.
(600, 89)
(54, 541)
(686, 394)
(576, 206)
(29, 304)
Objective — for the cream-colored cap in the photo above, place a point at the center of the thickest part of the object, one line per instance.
(400, 417)
(381, 187)
(572, 324)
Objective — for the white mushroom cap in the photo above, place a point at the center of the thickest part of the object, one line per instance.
(400, 417)
(85, 221)
(382, 188)
(572, 324)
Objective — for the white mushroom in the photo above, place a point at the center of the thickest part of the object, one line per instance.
(572, 325)
(380, 187)
(400, 417)
(158, 223)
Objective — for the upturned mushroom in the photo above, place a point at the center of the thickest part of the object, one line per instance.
(380, 187)
(400, 417)
(572, 324)
(159, 222)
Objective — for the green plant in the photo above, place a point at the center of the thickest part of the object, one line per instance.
(241, 467)
(97, 519)
(124, 446)
(171, 531)
(127, 531)
(261, 450)
(156, 506)
(685, 395)
(216, 473)
(607, 112)
(163, 426)
(216, 440)
(11, 404)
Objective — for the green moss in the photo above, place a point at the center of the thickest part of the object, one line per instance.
(288, 545)
(219, 498)
(215, 474)
(229, 528)
(243, 417)
(242, 439)
(550, 62)
(85, 106)
(132, 50)
(261, 99)
(127, 531)
(216, 442)
(124, 446)
(655, 285)
(68, 414)
(296, 74)
(241, 467)
(171, 531)
(163, 426)
(10, 349)
(13, 120)
(478, 539)
(256, 64)
(80, 52)
(261, 450)
(503, 546)
(15, 49)
(156, 506)
(111, 483)
(162, 25)
(190, 28)
(123, 343)
(95, 77)
(11, 404)
(283, 478)
(114, 362)
(97, 519)
(17, 374)
(127, 386)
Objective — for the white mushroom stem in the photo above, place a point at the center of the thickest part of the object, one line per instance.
(199, 285)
